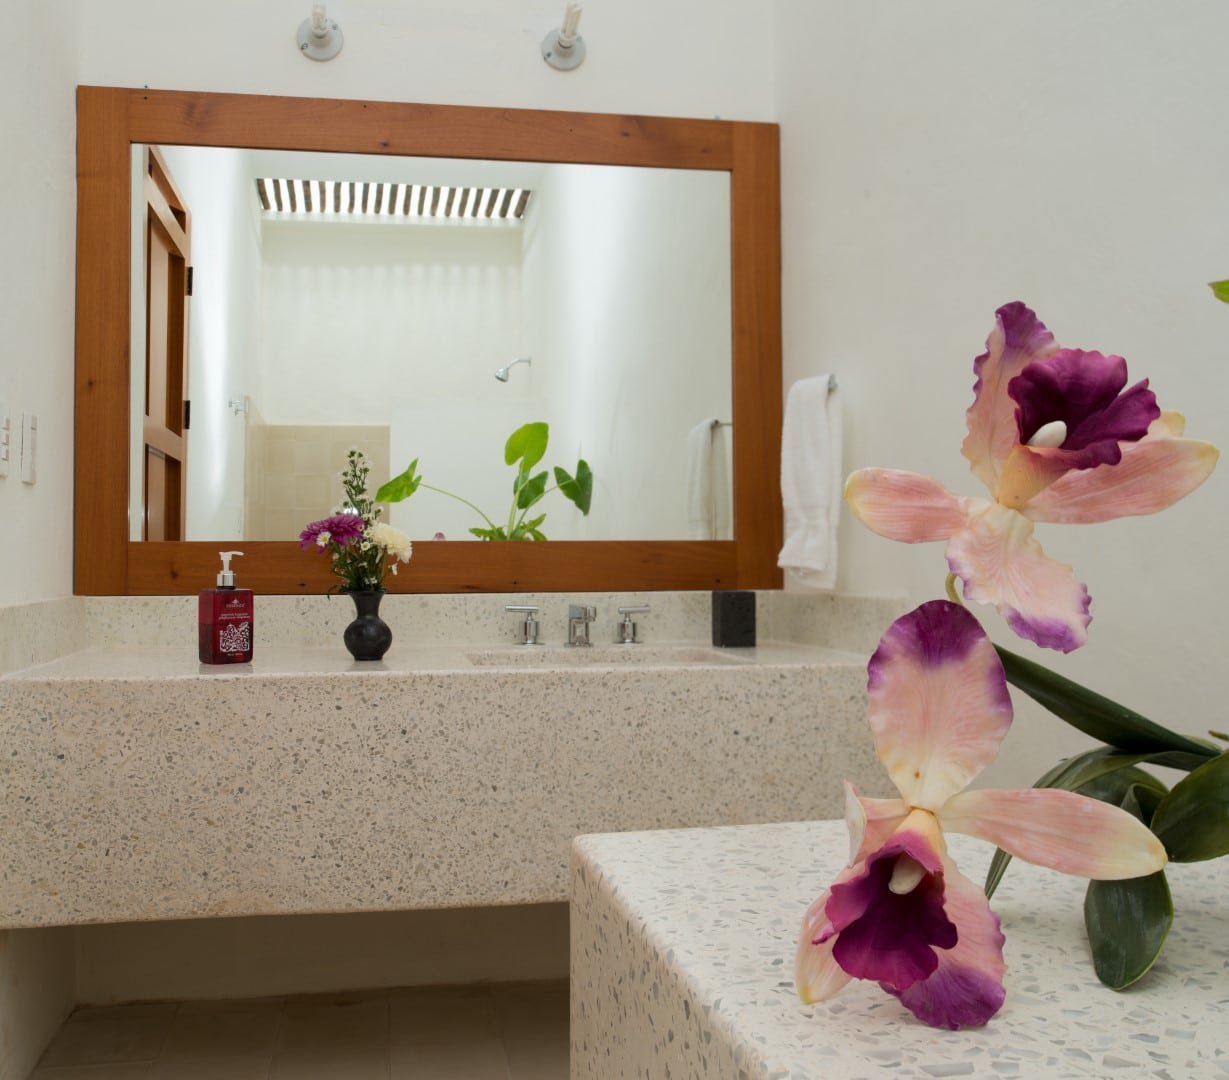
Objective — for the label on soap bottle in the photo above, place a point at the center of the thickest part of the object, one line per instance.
(226, 622)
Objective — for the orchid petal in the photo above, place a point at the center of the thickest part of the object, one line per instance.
(903, 505)
(816, 974)
(889, 918)
(870, 821)
(1169, 423)
(1018, 338)
(1026, 472)
(1154, 473)
(1062, 830)
(939, 706)
(966, 989)
(1001, 564)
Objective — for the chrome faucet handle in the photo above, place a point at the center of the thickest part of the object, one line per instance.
(579, 618)
(627, 628)
(529, 628)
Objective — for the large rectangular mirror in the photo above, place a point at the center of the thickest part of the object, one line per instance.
(424, 308)
(731, 317)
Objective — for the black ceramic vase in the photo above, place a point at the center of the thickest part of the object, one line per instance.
(368, 637)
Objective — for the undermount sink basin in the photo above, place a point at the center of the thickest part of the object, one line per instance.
(606, 656)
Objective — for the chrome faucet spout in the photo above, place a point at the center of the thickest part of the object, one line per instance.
(579, 618)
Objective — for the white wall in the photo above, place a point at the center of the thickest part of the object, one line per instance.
(38, 222)
(627, 290)
(358, 315)
(481, 52)
(942, 159)
(37, 212)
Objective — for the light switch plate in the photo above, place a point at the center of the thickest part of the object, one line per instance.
(6, 438)
(29, 437)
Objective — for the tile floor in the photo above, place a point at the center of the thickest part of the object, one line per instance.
(505, 1032)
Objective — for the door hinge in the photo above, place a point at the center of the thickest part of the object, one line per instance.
(187, 414)
(189, 290)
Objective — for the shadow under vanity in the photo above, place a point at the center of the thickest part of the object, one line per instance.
(143, 786)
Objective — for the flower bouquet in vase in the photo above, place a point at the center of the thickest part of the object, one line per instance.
(362, 550)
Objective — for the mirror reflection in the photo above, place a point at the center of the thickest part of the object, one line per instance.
(389, 306)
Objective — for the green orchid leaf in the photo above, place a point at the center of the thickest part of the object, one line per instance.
(998, 867)
(1220, 289)
(1192, 821)
(527, 444)
(1131, 788)
(1093, 714)
(1127, 923)
(400, 487)
(578, 488)
(529, 489)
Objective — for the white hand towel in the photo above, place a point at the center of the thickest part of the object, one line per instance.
(811, 482)
(708, 498)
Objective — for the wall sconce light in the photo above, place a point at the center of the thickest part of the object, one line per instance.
(319, 37)
(564, 48)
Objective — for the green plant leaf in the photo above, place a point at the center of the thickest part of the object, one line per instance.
(1093, 714)
(578, 488)
(528, 530)
(1192, 821)
(1127, 923)
(527, 444)
(529, 489)
(400, 487)
(1129, 787)
(1220, 289)
(489, 534)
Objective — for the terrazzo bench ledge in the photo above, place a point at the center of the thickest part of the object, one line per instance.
(682, 966)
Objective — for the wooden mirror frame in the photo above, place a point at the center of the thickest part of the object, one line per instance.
(110, 120)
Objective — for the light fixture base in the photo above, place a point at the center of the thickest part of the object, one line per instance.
(319, 47)
(560, 56)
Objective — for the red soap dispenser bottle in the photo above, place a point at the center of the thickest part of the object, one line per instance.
(225, 619)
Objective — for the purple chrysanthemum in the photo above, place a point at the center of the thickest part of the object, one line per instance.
(339, 529)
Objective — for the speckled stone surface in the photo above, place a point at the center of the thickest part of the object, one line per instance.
(682, 966)
(38, 632)
(140, 785)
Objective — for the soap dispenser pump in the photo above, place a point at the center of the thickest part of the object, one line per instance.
(225, 619)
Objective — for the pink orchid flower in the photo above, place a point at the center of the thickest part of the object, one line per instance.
(901, 913)
(1055, 437)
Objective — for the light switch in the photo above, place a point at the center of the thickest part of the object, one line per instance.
(29, 434)
(6, 438)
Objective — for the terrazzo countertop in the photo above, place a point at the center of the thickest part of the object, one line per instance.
(682, 966)
(140, 785)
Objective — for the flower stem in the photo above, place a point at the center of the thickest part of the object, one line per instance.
(450, 495)
(951, 590)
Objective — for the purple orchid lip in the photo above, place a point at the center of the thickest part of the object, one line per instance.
(886, 936)
(1085, 391)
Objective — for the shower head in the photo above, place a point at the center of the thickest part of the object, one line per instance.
(502, 373)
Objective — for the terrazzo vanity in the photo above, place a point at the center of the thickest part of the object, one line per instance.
(683, 952)
(140, 785)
